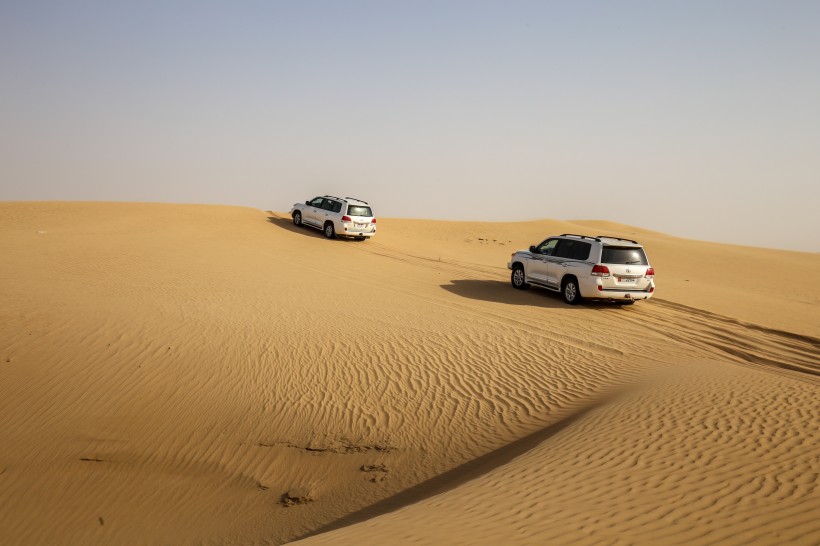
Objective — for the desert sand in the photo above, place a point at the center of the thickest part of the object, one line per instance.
(175, 374)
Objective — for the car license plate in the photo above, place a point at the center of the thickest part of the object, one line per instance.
(361, 226)
(626, 279)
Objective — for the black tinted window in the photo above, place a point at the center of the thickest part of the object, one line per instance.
(317, 202)
(327, 205)
(359, 210)
(574, 250)
(337, 206)
(623, 255)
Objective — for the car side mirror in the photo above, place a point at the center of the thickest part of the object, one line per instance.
(307, 202)
(532, 249)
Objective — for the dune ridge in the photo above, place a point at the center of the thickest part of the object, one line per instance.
(172, 373)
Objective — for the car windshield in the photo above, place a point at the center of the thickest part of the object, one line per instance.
(623, 255)
(358, 210)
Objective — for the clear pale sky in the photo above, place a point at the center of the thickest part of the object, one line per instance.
(700, 119)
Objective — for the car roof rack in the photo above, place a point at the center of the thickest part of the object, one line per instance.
(333, 197)
(617, 239)
(359, 200)
(581, 236)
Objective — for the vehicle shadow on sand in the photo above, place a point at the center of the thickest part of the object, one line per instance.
(502, 292)
(287, 223)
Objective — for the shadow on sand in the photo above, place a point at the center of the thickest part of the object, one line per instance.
(464, 473)
(502, 292)
(287, 223)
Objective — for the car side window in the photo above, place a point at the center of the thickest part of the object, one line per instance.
(328, 205)
(337, 206)
(573, 250)
(317, 202)
(581, 251)
(547, 248)
(564, 249)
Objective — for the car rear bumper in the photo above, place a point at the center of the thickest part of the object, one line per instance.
(355, 233)
(590, 290)
(619, 295)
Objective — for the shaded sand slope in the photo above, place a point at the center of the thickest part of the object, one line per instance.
(684, 458)
(168, 373)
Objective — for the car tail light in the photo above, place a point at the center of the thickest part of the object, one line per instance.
(599, 270)
(651, 289)
(650, 273)
(600, 288)
(346, 219)
(373, 221)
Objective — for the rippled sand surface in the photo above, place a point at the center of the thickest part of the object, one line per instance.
(205, 374)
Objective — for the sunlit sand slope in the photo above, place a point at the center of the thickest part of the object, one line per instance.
(202, 374)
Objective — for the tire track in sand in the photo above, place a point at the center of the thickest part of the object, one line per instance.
(716, 334)
(746, 343)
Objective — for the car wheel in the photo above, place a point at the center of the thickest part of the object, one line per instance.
(518, 278)
(297, 218)
(330, 231)
(570, 291)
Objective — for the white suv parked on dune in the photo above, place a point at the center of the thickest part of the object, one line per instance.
(579, 266)
(335, 216)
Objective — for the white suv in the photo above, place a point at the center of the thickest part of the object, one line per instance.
(580, 266)
(335, 216)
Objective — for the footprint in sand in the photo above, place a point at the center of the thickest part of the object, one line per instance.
(378, 472)
(297, 495)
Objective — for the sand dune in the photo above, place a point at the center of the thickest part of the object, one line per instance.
(203, 374)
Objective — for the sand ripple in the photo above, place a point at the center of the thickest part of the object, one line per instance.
(170, 374)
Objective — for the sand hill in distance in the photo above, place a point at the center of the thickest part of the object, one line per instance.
(181, 374)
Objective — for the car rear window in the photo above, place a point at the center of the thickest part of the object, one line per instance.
(623, 255)
(358, 210)
(574, 250)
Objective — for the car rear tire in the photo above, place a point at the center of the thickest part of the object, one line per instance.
(330, 231)
(570, 292)
(518, 278)
(297, 218)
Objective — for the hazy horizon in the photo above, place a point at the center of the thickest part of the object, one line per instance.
(700, 119)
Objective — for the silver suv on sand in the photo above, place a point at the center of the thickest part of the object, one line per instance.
(580, 266)
(348, 217)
